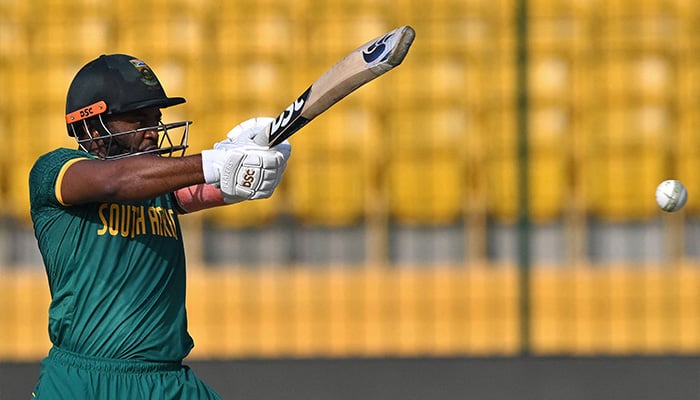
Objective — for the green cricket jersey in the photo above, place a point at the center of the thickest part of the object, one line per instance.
(116, 271)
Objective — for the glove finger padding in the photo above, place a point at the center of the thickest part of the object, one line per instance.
(248, 129)
(243, 133)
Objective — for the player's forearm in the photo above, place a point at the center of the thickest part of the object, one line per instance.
(129, 179)
(164, 176)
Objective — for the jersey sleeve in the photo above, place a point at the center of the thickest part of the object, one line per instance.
(45, 175)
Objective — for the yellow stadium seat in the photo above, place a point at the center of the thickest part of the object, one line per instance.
(543, 9)
(347, 10)
(159, 28)
(566, 35)
(551, 78)
(501, 175)
(644, 171)
(647, 77)
(685, 8)
(624, 164)
(18, 191)
(21, 158)
(423, 128)
(5, 174)
(257, 80)
(54, 82)
(688, 73)
(336, 39)
(6, 102)
(639, 29)
(550, 126)
(16, 78)
(331, 168)
(426, 187)
(246, 214)
(613, 309)
(685, 146)
(59, 38)
(24, 317)
(450, 8)
(170, 37)
(27, 144)
(549, 159)
(654, 76)
(632, 8)
(470, 35)
(500, 87)
(167, 8)
(427, 167)
(500, 139)
(329, 194)
(14, 38)
(443, 80)
(272, 35)
(16, 9)
(242, 9)
(54, 136)
(548, 184)
(21, 143)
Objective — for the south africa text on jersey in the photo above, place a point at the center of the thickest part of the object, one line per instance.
(131, 221)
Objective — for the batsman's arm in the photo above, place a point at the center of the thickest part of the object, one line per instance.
(126, 180)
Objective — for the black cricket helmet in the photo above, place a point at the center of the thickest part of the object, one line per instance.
(111, 85)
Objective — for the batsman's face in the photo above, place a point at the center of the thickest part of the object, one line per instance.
(141, 127)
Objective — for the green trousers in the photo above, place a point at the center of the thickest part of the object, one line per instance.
(70, 376)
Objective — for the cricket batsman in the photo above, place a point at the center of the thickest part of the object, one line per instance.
(106, 220)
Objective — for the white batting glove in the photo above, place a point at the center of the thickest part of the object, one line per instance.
(243, 169)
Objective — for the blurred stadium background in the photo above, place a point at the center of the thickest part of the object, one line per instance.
(492, 197)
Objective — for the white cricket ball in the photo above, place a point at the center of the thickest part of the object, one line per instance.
(671, 195)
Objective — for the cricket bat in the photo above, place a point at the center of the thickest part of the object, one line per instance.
(364, 64)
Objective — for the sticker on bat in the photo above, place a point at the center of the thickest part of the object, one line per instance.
(379, 50)
(288, 116)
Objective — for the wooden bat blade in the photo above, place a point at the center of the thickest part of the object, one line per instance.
(361, 66)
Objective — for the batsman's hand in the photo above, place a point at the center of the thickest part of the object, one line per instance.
(243, 169)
